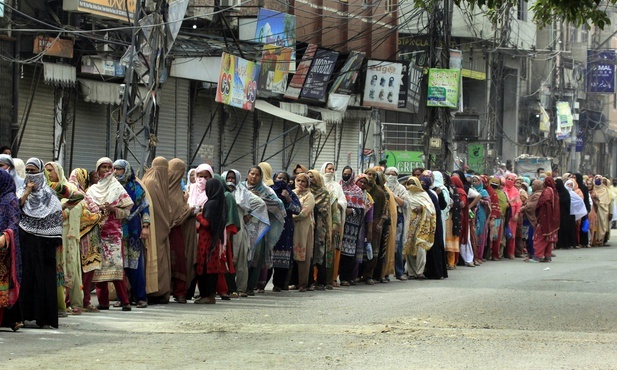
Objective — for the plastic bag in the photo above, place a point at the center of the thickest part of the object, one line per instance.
(508, 233)
(369, 251)
(585, 226)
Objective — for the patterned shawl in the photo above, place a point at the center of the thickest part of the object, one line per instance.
(423, 224)
(109, 190)
(356, 197)
(42, 211)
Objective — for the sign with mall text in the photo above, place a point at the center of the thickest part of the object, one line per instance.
(297, 81)
(274, 68)
(443, 87)
(601, 71)
(403, 160)
(382, 85)
(237, 84)
(116, 9)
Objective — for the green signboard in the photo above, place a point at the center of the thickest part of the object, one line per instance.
(475, 157)
(404, 161)
(443, 87)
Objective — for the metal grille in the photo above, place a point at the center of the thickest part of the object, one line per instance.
(403, 136)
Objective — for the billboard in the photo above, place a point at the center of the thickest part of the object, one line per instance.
(297, 81)
(237, 84)
(403, 160)
(318, 76)
(274, 68)
(344, 82)
(120, 10)
(382, 85)
(276, 28)
(443, 87)
(601, 71)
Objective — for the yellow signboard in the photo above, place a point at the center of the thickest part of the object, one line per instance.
(116, 9)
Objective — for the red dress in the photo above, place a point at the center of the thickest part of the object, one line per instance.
(215, 262)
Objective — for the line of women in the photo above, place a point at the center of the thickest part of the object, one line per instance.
(166, 236)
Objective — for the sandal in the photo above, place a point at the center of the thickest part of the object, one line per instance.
(91, 308)
(243, 294)
(75, 311)
(118, 304)
(344, 283)
(17, 326)
(142, 304)
(234, 295)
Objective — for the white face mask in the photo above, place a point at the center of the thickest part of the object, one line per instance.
(328, 177)
(391, 180)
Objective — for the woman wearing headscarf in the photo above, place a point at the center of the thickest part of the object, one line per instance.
(529, 214)
(40, 233)
(7, 163)
(190, 180)
(258, 182)
(441, 190)
(380, 214)
(323, 251)
(403, 215)
(436, 256)
(577, 206)
(422, 227)
(254, 223)
(514, 196)
(358, 224)
(210, 248)
(303, 233)
(135, 228)
(547, 215)
(473, 197)
(481, 219)
(283, 250)
(181, 244)
(566, 238)
(456, 226)
(116, 204)
(156, 182)
(226, 285)
(329, 177)
(10, 254)
(593, 214)
(197, 192)
(299, 169)
(602, 202)
(385, 263)
(495, 219)
(582, 190)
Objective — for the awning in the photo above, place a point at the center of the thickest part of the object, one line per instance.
(304, 122)
(59, 74)
(328, 115)
(100, 92)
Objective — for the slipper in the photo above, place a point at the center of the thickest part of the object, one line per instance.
(91, 308)
(142, 304)
(118, 304)
(75, 311)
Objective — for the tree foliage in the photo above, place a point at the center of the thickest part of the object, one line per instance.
(577, 12)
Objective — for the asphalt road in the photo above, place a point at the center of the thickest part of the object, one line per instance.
(501, 315)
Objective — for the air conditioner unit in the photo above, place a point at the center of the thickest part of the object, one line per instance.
(466, 127)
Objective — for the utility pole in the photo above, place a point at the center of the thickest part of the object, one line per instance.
(138, 123)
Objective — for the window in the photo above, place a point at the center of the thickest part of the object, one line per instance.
(521, 13)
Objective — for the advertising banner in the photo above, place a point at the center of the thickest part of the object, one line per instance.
(297, 81)
(343, 84)
(237, 84)
(404, 161)
(601, 71)
(105, 8)
(274, 68)
(319, 75)
(383, 83)
(443, 87)
(276, 28)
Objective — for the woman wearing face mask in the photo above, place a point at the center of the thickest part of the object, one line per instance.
(593, 215)
(602, 202)
(8, 164)
(380, 214)
(116, 204)
(329, 177)
(40, 233)
(566, 238)
(283, 250)
(304, 234)
(403, 215)
(10, 254)
(514, 196)
(436, 256)
(422, 227)
(481, 218)
(323, 253)
(547, 215)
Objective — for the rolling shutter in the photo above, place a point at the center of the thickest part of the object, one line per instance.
(173, 125)
(38, 136)
(203, 111)
(91, 136)
(238, 127)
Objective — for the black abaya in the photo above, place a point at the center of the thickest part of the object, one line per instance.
(436, 256)
(567, 223)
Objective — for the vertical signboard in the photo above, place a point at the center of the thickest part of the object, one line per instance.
(343, 84)
(319, 74)
(382, 85)
(274, 69)
(443, 87)
(297, 81)
(601, 71)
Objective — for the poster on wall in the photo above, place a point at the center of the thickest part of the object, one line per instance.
(319, 74)
(274, 68)
(443, 87)
(237, 84)
(297, 81)
(382, 85)
(405, 161)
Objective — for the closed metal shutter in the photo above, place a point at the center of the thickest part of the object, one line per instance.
(203, 110)
(6, 91)
(239, 128)
(325, 145)
(91, 136)
(38, 136)
(349, 144)
(270, 143)
(173, 125)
